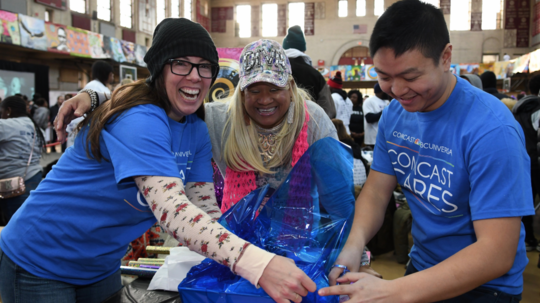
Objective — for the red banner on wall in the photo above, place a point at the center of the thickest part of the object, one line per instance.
(517, 16)
(309, 19)
(536, 14)
(200, 18)
(220, 15)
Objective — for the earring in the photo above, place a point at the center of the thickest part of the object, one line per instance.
(290, 115)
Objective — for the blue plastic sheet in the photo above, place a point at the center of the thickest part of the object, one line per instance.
(306, 219)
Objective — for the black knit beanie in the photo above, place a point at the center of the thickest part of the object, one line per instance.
(179, 37)
(295, 39)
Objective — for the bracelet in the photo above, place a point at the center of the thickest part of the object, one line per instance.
(366, 260)
(93, 98)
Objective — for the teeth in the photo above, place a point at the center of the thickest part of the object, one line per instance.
(267, 110)
(190, 91)
(188, 97)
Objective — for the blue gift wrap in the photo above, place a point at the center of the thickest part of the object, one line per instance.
(306, 219)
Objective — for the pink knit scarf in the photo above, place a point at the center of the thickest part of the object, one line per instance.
(239, 184)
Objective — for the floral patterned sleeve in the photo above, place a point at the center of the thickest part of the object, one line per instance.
(202, 195)
(192, 226)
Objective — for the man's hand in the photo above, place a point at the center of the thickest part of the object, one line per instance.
(285, 282)
(364, 288)
(70, 109)
(368, 270)
(349, 257)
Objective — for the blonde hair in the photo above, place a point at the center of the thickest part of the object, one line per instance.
(241, 150)
(126, 81)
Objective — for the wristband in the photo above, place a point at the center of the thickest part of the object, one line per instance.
(93, 98)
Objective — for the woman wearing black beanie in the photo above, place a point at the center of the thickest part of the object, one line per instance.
(142, 156)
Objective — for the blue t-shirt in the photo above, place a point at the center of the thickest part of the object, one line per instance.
(75, 227)
(462, 162)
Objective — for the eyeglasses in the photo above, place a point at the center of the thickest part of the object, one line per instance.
(184, 68)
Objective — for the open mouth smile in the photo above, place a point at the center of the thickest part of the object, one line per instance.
(189, 94)
(267, 111)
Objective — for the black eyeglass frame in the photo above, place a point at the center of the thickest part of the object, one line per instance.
(214, 67)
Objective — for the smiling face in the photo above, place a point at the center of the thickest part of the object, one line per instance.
(414, 80)
(266, 103)
(354, 98)
(186, 93)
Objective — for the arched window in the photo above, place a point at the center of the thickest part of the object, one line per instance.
(269, 20)
(460, 15)
(243, 18)
(360, 8)
(296, 14)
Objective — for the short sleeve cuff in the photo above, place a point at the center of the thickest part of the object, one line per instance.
(253, 263)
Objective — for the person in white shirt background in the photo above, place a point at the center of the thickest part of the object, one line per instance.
(344, 105)
(102, 73)
(373, 107)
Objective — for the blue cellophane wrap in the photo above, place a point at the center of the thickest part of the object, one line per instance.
(306, 219)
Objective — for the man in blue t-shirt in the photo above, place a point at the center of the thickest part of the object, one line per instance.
(459, 157)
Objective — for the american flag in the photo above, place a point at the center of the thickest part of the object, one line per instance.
(360, 29)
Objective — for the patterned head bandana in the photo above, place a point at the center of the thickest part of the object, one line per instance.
(264, 61)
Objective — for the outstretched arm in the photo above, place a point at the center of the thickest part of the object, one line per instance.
(204, 197)
(490, 257)
(194, 228)
(72, 109)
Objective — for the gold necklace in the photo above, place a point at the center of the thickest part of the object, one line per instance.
(268, 141)
(267, 145)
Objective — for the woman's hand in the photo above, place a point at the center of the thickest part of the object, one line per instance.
(285, 282)
(70, 109)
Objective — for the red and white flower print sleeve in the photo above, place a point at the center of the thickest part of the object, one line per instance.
(203, 195)
(196, 229)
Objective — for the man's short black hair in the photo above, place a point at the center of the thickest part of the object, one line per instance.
(36, 96)
(489, 79)
(410, 24)
(534, 85)
(101, 71)
(40, 102)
